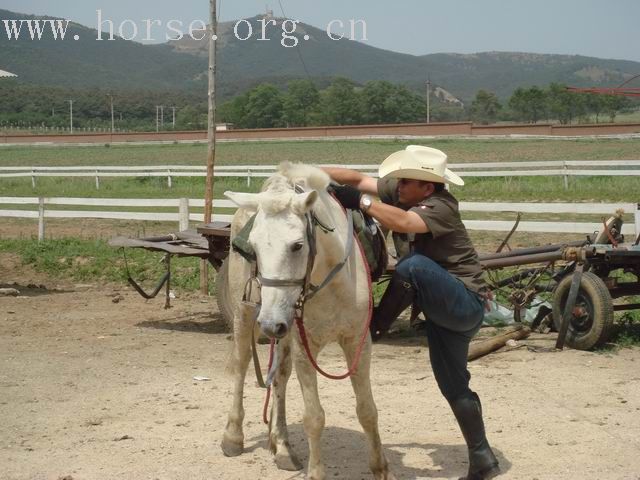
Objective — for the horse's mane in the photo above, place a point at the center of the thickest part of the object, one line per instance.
(279, 188)
(307, 176)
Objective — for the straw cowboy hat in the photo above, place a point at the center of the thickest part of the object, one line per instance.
(419, 163)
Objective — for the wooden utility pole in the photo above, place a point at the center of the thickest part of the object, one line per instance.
(70, 116)
(428, 100)
(112, 116)
(211, 157)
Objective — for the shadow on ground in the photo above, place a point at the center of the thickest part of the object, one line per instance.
(346, 456)
(199, 323)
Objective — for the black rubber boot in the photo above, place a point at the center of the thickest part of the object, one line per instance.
(398, 296)
(483, 464)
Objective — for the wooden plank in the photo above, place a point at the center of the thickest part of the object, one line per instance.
(483, 347)
(40, 219)
(19, 200)
(199, 217)
(113, 202)
(184, 214)
(160, 217)
(581, 208)
(520, 173)
(19, 213)
(540, 227)
(603, 173)
(490, 165)
(602, 163)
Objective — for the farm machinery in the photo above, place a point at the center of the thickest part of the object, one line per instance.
(585, 282)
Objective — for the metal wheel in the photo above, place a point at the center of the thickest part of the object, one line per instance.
(223, 297)
(592, 315)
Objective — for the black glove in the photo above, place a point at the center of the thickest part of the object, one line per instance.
(347, 195)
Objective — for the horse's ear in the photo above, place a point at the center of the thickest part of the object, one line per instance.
(248, 201)
(303, 202)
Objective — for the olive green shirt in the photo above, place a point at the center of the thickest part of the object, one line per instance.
(447, 242)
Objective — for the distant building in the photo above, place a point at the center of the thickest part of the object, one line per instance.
(221, 127)
(4, 74)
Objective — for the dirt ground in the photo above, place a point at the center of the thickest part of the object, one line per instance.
(92, 389)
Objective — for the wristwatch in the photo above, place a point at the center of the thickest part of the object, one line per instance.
(365, 202)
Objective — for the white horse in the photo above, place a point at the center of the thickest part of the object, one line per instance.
(338, 313)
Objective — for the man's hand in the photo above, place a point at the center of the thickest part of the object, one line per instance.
(348, 196)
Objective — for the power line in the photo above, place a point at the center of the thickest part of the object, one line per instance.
(304, 65)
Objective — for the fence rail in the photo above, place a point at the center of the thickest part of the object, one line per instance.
(565, 168)
(183, 215)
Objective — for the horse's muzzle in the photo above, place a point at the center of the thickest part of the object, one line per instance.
(275, 330)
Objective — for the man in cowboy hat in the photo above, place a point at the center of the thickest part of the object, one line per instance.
(439, 268)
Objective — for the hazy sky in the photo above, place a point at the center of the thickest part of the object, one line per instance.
(586, 27)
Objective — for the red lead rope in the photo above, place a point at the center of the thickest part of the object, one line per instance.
(265, 409)
(363, 339)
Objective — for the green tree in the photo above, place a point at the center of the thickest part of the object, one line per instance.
(528, 104)
(563, 105)
(301, 101)
(485, 107)
(264, 107)
(341, 103)
(188, 118)
(410, 107)
(235, 111)
(594, 104)
(614, 104)
(377, 102)
(383, 102)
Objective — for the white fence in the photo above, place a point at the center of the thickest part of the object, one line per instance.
(183, 215)
(566, 169)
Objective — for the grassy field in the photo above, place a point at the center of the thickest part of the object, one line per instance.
(59, 256)
(347, 152)
(343, 152)
(88, 260)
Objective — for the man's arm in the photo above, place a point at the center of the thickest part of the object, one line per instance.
(396, 219)
(390, 217)
(345, 176)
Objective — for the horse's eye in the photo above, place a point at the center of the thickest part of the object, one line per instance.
(296, 247)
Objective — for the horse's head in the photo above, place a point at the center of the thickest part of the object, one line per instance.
(280, 241)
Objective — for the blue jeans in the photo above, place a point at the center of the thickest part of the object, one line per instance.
(454, 315)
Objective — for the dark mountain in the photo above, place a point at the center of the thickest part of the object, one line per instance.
(90, 63)
(182, 64)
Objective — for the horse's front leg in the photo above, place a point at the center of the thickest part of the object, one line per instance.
(286, 459)
(313, 418)
(366, 407)
(233, 438)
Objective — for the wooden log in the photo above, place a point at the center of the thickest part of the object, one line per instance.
(482, 348)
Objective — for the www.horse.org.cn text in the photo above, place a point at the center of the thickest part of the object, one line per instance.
(147, 30)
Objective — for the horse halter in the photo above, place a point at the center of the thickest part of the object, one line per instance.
(261, 281)
(309, 290)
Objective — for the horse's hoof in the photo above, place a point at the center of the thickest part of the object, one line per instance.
(288, 462)
(231, 449)
(316, 474)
